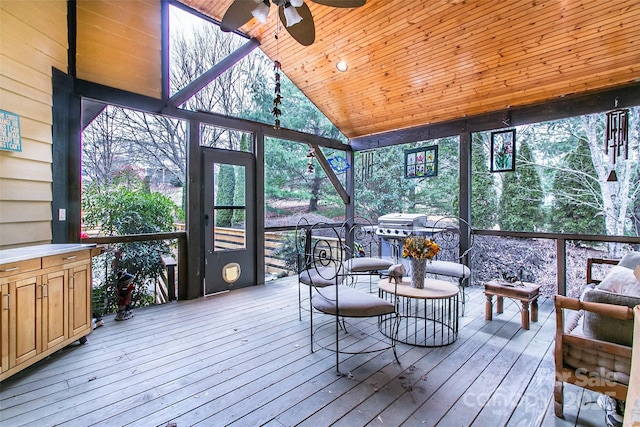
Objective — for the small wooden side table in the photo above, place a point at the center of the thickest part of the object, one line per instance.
(526, 293)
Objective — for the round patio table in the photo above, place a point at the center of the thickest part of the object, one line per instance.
(428, 317)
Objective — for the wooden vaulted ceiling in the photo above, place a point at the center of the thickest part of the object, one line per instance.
(417, 62)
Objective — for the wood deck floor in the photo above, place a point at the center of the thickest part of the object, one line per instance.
(242, 358)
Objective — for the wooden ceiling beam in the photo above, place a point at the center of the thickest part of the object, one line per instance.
(213, 73)
(569, 106)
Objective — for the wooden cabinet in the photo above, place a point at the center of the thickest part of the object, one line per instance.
(4, 328)
(79, 299)
(45, 304)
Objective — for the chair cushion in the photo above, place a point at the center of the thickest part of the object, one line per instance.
(365, 264)
(605, 328)
(351, 302)
(596, 364)
(448, 268)
(321, 277)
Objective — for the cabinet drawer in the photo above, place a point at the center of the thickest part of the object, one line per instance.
(69, 257)
(13, 268)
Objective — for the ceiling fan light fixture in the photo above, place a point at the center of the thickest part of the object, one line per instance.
(292, 17)
(342, 66)
(261, 12)
(296, 3)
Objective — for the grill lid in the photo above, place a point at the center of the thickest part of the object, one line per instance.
(400, 224)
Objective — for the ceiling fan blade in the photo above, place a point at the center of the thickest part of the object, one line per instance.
(238, 14)
(304, 32)
(341, 3)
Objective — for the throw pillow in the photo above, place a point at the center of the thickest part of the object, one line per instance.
(620, 280)
(630, 260)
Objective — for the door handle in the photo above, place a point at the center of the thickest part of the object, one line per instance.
(206, 220)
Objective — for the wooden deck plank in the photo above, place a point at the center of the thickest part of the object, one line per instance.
(156, 357)
(432, 372)
(497, 388)
(242, 358)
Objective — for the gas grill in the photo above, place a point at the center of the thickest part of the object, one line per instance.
(399, 225)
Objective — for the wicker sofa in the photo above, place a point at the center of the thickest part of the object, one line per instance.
(594, 334)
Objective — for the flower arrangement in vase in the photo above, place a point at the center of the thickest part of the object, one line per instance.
(419, 250)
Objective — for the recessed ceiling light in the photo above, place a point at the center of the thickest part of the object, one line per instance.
(342, 66)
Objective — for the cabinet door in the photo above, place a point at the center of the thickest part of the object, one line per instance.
(5, 306)
(54, 309)
(25, 320)
(80, 299)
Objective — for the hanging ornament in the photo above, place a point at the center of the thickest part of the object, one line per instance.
(311, 155)
(616, 138)
(339, 164)
(277, 100)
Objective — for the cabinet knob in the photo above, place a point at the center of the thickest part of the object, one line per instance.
(71, 257)
(10, 269)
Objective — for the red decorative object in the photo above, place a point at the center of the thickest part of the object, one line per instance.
(124, 289)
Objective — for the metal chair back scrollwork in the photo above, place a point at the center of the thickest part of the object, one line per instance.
(362, 250)
(455, 238)
(334, 306)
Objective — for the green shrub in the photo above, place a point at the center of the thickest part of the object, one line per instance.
(126, 207)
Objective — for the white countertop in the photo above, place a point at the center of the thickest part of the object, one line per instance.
(29, 252)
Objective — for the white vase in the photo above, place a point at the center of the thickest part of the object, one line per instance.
(418, 267)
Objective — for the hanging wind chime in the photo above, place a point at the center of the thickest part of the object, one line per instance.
(616, 138)
(367, 164)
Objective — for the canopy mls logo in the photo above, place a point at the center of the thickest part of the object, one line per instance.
(588, 379)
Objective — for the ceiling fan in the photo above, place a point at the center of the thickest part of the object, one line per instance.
(295, 14)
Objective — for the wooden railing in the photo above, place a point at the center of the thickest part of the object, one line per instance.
(163, 291)
(561, 247)
(229, 238)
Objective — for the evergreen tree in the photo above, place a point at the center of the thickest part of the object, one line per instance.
(438, 195)
(521, 198)
(240, 184)
(484, 198)
(225, 189)
(382, 188)
(577, 195)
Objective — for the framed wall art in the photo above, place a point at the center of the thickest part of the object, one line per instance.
(10, 138)
(503, 150)
(421, 162)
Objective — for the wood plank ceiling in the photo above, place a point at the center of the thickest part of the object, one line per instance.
(417, 62)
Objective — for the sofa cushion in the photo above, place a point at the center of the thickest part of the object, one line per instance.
(620, 280)
(605, 328)
(630, 260)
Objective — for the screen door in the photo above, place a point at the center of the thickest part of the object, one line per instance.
(229, 219)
